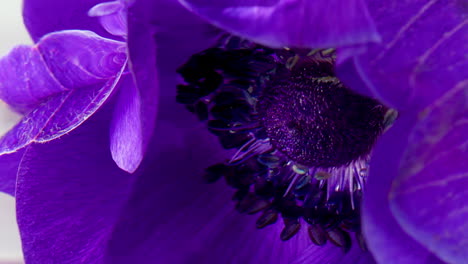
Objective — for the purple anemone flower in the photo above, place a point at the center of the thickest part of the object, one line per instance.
(75, 205)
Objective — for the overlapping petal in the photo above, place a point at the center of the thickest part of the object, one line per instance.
(421, 69)
(299, 23)
(69, 195)
(422, 53)
(59, 62)
(113, 16)
(385, 237)
(126, 133)
(428, 196)
(113, 20)
(178, 31)
(74, 84)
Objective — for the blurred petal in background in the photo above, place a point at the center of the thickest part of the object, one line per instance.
(12, 32)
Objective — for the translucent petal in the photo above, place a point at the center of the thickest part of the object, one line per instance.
(61, 61)
(57, 116)
(422, 53)
(112, 15)
(286, 23)
(386, 240)
(429, 195)
(126, 143)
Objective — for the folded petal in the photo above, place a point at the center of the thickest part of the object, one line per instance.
(69, 195)
(298, 23)
(126, 142)
(45, 16)
(57, 116)
(112, 15)
(422, 53)
(61, 61)
(429, 194)
(387, 241)
(178, 32)
(9, 164)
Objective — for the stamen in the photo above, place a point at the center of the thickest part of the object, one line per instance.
(254, 147)
(302, 139)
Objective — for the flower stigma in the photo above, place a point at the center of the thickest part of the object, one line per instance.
(302, 140)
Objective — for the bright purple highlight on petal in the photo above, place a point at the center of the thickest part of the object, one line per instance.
(113, 17)
(126, 142)
(59, 62)
(286, 23)
(428, 197)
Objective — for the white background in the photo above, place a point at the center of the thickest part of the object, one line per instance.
(12, 32)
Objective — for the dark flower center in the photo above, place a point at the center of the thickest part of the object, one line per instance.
(316, 121)
(303, 140)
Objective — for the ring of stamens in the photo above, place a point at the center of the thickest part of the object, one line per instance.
(234, 89)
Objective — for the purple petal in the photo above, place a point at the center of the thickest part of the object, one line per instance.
(59, 62)
(429, 195)
(112, 15)
(178, 34)
(330, 254)
(423, 52)
(45, 16)
(126, 130)
(174, 217)
(8, 169)
(299, 23)
(385, 238)
(69, 196)
(57, 116)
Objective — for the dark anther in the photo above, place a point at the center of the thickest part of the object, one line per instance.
(317, 235)
(340, 238)
(240, 194)
(251, 204)
(201, 109)
(293, 127)
(361, 241)
(215, 172)
(235, 140)
(218, 127)
(267, 218)
(291, 227)
(264, 188)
